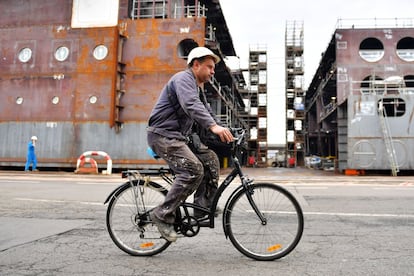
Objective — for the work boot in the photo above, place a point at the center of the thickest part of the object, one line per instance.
(166, 230)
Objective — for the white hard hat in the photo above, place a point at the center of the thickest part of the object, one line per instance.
(33, 138)
(199, 52)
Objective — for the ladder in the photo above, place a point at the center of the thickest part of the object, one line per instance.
(388, 139)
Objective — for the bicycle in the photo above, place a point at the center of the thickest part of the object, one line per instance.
(263, 221)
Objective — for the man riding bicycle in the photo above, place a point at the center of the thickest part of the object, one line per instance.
(181, 104)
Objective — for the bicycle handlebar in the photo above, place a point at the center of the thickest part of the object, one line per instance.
(238, 134)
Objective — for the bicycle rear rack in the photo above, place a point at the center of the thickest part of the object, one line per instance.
(145, 174)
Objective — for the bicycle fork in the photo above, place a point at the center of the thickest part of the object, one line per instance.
(247, 188)
(249, 192)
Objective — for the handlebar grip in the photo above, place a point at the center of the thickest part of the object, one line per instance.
(238, 134)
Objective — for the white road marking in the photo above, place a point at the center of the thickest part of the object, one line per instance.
(314, 188)
(394, 188)
(58, 201)
(19, 181)
(94, 183)
(339, 214)
(360, 215)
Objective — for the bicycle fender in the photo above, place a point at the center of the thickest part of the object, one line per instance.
(114, 191)
(226, 208)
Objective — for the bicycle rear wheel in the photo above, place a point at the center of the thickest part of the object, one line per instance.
(269, 240)
(128, 222)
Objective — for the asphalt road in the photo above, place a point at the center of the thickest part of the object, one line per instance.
(54, 224)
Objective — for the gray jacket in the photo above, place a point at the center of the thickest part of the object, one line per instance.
(178, 107)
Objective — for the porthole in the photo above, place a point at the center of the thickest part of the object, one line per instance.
(19, 100)
(100, 52)
(93, 99)
(363, 153)
(372, 85)
(62, 53)
(405, 49)
(371, 49)
(409, 84)
(392, 107)
(185, 46)
(55, 100)
(25, 54)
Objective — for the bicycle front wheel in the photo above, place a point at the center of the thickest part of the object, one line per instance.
(128, 222)
(274, 237)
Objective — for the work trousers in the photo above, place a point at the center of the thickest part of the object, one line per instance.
(205, 192)
(188, 168)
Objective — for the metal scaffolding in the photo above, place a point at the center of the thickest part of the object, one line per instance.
(295, 110)
(258, 103)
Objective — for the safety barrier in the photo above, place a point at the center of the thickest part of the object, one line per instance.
(82, 160)
(92, 169)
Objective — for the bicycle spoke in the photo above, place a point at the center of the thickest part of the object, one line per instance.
(128, 221)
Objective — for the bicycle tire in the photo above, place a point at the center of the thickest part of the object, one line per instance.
(278, 236)
(128, 222)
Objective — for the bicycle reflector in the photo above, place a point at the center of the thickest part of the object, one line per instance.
(274, 247)
(146, 245)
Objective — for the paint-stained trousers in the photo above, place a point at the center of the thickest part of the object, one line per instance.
(190, 176)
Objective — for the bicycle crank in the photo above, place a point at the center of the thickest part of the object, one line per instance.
(189, 226)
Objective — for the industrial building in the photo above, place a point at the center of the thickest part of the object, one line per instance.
(360, 102)
(84, 75)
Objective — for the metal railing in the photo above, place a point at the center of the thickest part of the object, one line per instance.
(165, 9)
(369, 23)
(391, 85)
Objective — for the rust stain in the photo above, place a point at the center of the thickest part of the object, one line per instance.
(150, 55)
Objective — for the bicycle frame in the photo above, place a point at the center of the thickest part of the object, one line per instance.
(237, 171)
(245, 181)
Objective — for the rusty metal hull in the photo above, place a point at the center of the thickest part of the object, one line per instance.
(76, 105)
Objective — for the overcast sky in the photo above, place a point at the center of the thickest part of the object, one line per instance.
(263, 22)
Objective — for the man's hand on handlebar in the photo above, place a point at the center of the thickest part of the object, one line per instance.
(223, 132)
